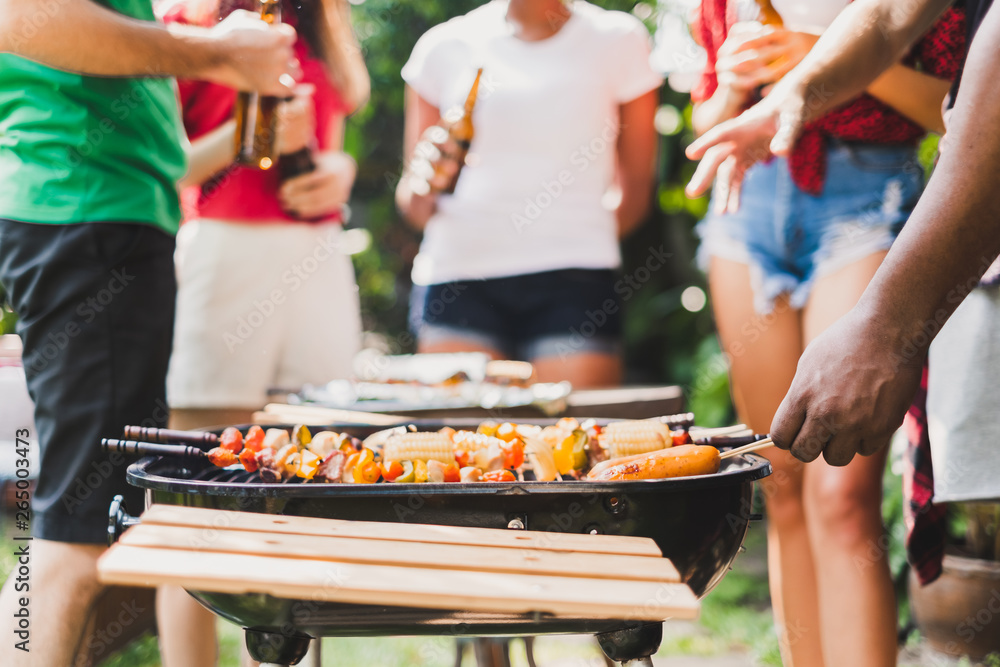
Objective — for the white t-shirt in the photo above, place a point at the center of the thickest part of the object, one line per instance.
(813, 16)
(546, 121)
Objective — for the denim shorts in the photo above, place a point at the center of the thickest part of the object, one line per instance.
(531, 316)
(789, 238)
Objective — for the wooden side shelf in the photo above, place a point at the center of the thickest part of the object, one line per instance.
(410, 565)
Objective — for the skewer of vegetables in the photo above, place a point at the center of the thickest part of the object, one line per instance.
(495, 452)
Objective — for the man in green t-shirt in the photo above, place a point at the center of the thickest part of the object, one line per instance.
(91, 149)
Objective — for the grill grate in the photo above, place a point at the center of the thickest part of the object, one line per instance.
(226, 476)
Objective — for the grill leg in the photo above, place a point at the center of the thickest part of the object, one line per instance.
(632, 646)
(273, 649)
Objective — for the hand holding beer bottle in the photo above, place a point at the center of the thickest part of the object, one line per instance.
(440, 155)
(256, 114)
(757, 54)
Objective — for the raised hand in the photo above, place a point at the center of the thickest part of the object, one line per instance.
(323, 191)
(727, 150)
(761, 56)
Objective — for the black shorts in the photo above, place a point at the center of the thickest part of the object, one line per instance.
(531, 316)
(95, 303)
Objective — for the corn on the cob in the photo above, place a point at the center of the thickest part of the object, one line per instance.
(473, 442)
(634, 437)
(419, 447)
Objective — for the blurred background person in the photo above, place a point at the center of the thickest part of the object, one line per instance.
(788, 255)
(520, 261)
(266, 297)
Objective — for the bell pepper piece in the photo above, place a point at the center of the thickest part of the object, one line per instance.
(488, 428)
(248, 458)
(301, 436)
(499, 476)
(391, 470)
(405, 477)
(231, 440)
(571, 453)
(506, 431)
(254, 440)
(309, 465)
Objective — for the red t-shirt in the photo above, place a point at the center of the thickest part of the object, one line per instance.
(241, 193)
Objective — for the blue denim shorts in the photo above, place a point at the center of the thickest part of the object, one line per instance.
(789, 238)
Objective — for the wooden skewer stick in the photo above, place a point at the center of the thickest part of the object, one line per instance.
(746, 449)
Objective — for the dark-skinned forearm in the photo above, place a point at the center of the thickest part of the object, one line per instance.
(82, 36)
(954, 232)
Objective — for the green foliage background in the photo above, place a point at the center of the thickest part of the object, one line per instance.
(664, 342)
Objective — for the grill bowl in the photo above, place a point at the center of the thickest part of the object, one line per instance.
(698, 522)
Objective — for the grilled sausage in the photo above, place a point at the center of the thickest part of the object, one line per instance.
(681, 461)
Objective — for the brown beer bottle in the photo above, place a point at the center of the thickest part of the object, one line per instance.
(295, 164)
(256, 114)
(769, 15)
(462, 131)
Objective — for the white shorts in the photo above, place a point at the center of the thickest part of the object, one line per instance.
(260, 306)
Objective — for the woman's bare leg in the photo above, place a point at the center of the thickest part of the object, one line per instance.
(763, 351)
(456, 345)
(844, 511)
(187, 630)
(586, 370)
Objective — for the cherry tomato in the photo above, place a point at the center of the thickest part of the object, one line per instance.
(391, 470)
(248, 458)
(222, 457)
(367, 473)
(451, 473)
(231, 440)
(499, 476)
(513, 454)
(254, 441)
(680, 438)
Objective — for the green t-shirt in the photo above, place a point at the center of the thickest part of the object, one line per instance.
(89, 149)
